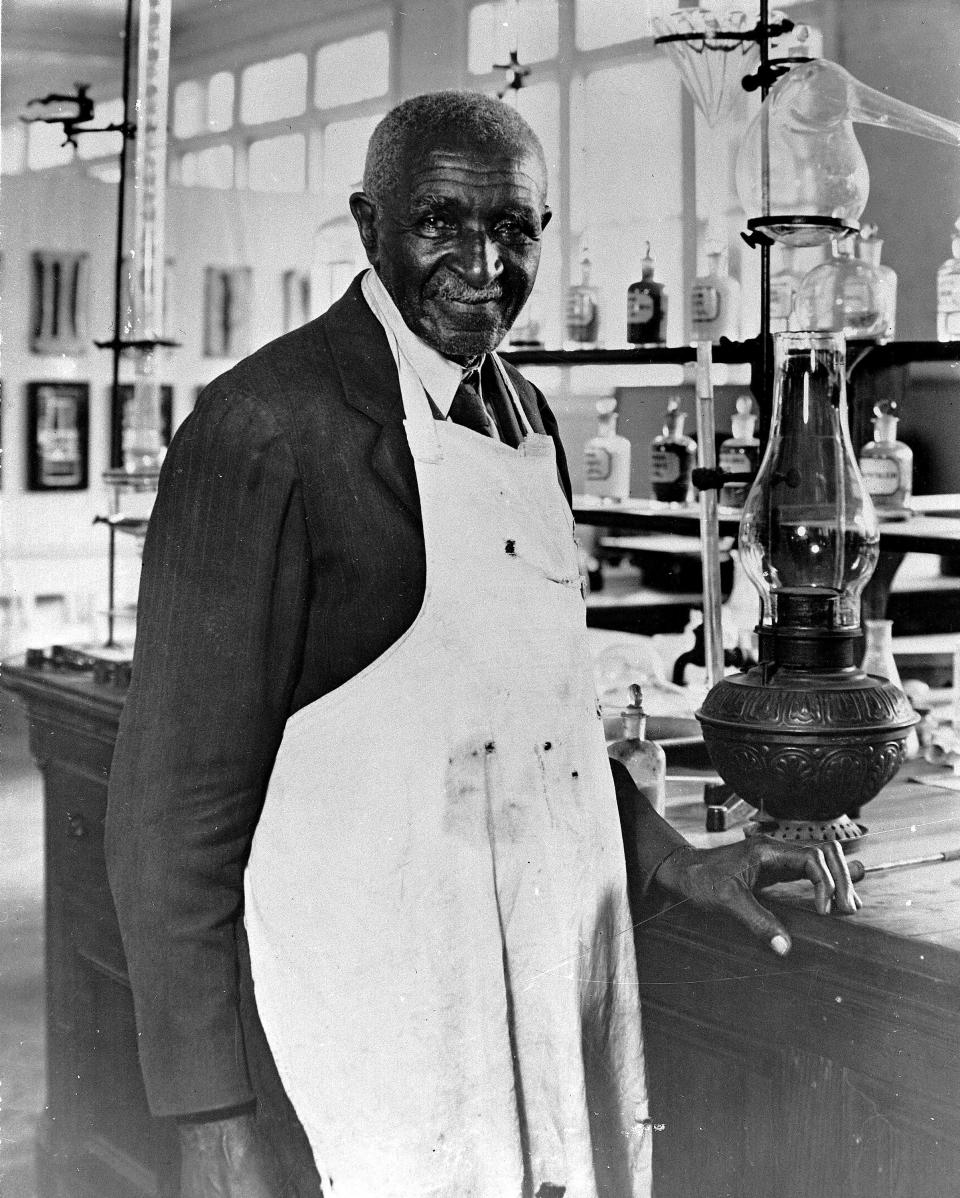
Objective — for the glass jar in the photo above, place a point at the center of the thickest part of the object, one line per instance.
(842, 295)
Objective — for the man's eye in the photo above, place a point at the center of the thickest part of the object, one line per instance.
(514, 231)
(433, 223)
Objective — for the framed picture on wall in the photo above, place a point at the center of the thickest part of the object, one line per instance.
(58, 420)
(120, 419)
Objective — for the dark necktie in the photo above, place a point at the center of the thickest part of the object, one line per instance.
(469, 410)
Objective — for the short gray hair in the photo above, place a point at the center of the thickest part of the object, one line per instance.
(477, 118)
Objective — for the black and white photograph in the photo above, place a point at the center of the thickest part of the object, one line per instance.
(480, 599)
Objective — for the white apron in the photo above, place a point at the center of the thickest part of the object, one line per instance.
(436, 903)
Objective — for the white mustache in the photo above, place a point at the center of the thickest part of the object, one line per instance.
(453, 289)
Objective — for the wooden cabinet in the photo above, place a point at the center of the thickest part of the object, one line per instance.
(97, 1138)
(834, 1073)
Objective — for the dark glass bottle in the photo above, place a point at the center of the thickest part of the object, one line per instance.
(672, 455)
(647, 307)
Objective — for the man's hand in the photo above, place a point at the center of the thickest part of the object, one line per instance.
(725, 878)
(222, 1159)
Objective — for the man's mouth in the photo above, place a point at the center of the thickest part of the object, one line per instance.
(471, 296)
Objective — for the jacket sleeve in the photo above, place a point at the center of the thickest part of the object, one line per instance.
(220, 629)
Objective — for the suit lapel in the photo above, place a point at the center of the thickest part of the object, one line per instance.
(368, 376)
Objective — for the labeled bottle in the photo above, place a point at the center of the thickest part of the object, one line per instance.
(715, 302)
(740, 454)
(841, 295)
(583, 309)
(869, 247)
(879, 661)
(647, 307)
(606, 457)
(645, 760)
(887, 465)
(948, 294)
(784, 283)
(672, 457)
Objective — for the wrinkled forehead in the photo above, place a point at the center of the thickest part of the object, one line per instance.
(463, 162)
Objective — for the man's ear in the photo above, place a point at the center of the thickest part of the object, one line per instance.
(365, 214)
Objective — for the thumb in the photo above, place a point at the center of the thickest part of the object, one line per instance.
(759, 921)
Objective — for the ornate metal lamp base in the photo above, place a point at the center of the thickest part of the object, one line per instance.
(843, 830)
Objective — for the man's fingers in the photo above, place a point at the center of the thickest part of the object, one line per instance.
(762, 923)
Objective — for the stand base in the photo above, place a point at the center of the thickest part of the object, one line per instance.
(843, 830)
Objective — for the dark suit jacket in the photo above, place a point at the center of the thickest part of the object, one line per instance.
(285, 553)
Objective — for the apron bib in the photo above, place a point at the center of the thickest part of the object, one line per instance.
(436, 903)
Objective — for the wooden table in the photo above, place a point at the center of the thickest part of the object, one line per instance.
(835, 1072)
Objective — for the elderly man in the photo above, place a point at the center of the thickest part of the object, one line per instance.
(366, 847)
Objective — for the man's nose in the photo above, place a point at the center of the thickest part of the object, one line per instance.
(478, 258)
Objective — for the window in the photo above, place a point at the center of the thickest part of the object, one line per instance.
(277, 163)
(272, 90)
(338, 154)
(607, 22)
(45, 148)
(625, 131)
(203, 107)
(532, 28)
(357, 68)
(220, 102)
(211, 167)
(99, 145)
(13, 153)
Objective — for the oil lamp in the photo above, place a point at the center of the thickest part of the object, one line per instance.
(806, 736)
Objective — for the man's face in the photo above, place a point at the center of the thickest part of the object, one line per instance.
(458, 244)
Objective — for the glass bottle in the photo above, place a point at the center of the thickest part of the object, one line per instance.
(948, 293)
(715, 302)
(783, 289)
(841, 295)
(869, 247)
(645, 760)
(740, 454)
(809, 534)
(878, 661)
(887, 465)
(606, 456)
(647, 307)
(672, 457)
(583, 309)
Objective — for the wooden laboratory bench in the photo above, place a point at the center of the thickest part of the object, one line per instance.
(834, 1072)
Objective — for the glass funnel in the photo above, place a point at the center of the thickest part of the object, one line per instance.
(800, 170)
(809, 533)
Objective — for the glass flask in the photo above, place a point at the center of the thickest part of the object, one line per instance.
(842, 295)
(809, 532)
(800, 170)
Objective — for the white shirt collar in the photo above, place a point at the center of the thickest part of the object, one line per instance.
(439, 376)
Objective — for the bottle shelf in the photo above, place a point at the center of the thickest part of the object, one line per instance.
(877, 354)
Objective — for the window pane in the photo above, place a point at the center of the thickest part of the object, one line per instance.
(625, 185)
(277, 164)
(496, 29)
(187, 108)
(606, 22)
(540, 106)
(355, 69)
(98, 145)
(272, 90)
(44, 148)
(187, 169)
(215, 167)
(14, 151)
(344, 150)
(220, 102)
